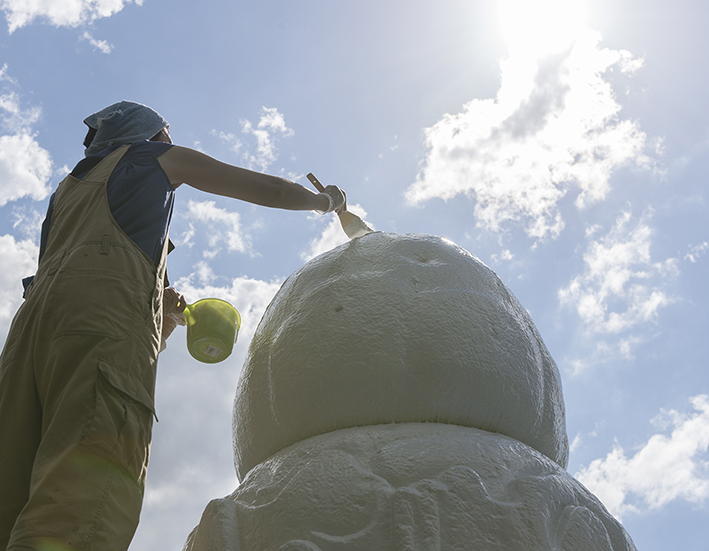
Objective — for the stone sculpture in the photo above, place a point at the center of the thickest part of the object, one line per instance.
(396, 396)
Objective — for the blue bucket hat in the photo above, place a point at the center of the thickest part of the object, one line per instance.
(122, 123)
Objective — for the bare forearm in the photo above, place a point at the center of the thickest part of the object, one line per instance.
(168, 326)
(269, 191)
(173, 305)
(184, 165)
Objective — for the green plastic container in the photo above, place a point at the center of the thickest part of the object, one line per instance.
(212, 327)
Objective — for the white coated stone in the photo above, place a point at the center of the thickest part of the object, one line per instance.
(397, 397)
(427, 487)
(395, 328)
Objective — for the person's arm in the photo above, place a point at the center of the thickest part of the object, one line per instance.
(185, 165)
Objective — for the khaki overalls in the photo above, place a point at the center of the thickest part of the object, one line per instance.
(77, 379)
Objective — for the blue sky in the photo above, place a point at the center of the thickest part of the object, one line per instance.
(565, 146)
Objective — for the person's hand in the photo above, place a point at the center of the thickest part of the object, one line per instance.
(173, 306)
(337, 198)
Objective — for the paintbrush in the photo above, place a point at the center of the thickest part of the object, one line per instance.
(352, 224)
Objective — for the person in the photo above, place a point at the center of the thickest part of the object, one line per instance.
(77, 372)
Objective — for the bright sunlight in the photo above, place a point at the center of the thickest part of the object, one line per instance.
(541, 27)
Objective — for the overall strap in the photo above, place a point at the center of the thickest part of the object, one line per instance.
(102, 171)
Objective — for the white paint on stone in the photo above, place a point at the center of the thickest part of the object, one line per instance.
(409, 486)
(397, 396)
(395, 329)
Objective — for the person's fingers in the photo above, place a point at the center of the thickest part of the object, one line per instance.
(181, 304)
(343, 208)
(339, 199)
(171, 301)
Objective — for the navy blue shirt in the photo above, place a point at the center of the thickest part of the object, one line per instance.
(140, 197)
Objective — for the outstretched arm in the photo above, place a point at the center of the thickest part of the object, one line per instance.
(185, 165)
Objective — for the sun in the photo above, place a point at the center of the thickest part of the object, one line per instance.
(540, 27)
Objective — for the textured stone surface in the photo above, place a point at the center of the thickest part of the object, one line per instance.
(408, 487)
(395, 328)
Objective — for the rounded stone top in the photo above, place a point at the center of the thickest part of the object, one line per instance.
(394, 328)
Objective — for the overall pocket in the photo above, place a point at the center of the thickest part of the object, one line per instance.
(123, 420)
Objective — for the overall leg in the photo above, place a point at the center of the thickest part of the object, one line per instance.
(20, 422)
(87, 483)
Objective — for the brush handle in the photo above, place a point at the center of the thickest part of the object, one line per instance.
(316, 183)
(352, 224)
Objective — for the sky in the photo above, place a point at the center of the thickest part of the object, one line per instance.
(563, 143)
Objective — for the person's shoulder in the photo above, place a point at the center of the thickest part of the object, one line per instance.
(153, 149)
(181, 156)
(187, 165)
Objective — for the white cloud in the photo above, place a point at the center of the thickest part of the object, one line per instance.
(223, 228)
(696, 252)
(274, 121)
(25, 167)
(270, 127)
(5, 76)
(664, 469)
(203, 273)
(14, 117)
(505, 255)
(554, 127)
(186, 238)
(606, 350)
(61, 13)
(62, 172)
(332, 235)
(102, 46)
(28, 223)
(20, 260)
(621, 286)
(593, 230)
(25, 170)
(576, 443)
(229, 138)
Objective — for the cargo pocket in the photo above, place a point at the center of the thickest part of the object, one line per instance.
(128, 411)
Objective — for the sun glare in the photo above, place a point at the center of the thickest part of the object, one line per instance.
(541, 27)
